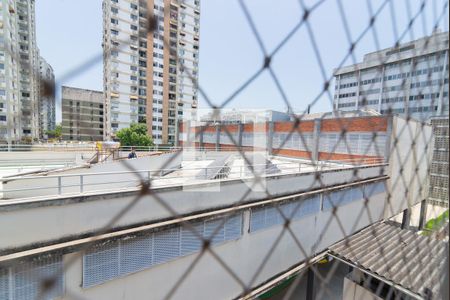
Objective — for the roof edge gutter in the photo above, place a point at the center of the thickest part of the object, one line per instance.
(179, 220)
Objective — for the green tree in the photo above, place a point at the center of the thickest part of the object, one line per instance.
(55, 134)
(135, 135)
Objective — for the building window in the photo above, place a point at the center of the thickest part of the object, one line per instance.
(24, 280)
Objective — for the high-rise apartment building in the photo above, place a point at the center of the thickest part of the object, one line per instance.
(82, 114)
(410, 79)
(147, 76)
(47, 117)
(19, 72)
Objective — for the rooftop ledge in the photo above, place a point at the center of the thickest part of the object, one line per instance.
(191, 176)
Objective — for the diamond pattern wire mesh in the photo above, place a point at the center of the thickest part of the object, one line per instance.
(306, 12)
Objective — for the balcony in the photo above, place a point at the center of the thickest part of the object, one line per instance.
(142, 33)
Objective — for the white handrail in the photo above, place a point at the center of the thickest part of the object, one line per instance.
(133, 172)
(160, 174)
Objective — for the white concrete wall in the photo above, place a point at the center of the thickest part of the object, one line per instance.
(209, 280)
(409, 160)
(23, 222)
(353, 291)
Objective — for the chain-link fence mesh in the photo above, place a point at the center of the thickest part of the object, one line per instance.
(355, 252)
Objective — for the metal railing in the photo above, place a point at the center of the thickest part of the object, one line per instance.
(93, 147)
(46, 147)
(100, 181)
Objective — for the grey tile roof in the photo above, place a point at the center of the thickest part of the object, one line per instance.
(404, 257)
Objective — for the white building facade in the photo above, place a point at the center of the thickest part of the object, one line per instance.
(82, 114)
(233, 116)
(19, 72)
(411, 79)
(148, 77)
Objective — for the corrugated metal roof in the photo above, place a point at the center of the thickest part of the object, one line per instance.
(401, 256)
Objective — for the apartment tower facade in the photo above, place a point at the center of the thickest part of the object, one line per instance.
(411, 79)
(147, 76)
(19, 72)
(47, 105)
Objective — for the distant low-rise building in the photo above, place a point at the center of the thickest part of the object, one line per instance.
(82, 114)
(317, 137)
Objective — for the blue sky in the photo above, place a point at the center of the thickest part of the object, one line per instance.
(69, 33)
